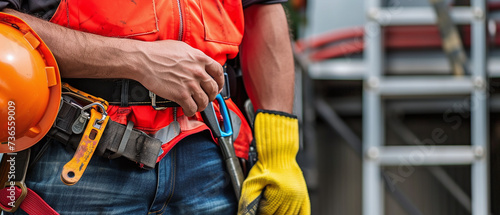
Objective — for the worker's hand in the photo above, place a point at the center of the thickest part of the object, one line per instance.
(275, 184)
(176, 71)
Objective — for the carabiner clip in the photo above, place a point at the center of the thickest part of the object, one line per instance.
(228, 128)
(210, 118)
(103, 110)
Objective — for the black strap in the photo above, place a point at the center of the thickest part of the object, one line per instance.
(15, 166)
(139, 148)
(226, 90)
(123, 141)
(123, 92)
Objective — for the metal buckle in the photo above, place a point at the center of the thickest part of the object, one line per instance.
(104, 113)
(20, 199)
(153, 101)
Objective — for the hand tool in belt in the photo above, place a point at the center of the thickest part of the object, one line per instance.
(73, 170)
(225, 142)
(117, 140)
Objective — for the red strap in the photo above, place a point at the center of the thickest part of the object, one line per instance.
(33, 204)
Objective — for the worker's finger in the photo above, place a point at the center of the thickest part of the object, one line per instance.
(201, 98)
(187, 104)
(305, 208)
(215, 70)
(210, 87)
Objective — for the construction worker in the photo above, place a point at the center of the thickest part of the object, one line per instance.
(175, 52)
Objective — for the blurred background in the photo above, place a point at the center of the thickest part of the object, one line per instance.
(399, 104)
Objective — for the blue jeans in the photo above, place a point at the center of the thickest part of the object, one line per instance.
(191, 179)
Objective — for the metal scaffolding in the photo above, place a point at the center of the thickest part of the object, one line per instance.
(377, 87)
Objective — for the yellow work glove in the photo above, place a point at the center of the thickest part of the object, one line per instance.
(275, 184)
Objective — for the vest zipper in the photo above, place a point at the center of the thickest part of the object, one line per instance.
(181, 25)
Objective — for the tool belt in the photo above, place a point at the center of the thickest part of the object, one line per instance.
(116, 141)
(122, 92)
(126, 92)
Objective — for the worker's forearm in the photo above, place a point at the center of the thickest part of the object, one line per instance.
(80, 54)
(267, 59)
(172, 69)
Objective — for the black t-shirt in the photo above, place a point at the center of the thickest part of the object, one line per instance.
(45, 9)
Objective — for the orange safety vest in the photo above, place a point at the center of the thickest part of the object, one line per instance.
(214, 27)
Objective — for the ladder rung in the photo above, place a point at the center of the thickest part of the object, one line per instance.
(418, 86)
(420, 16)
(425, 155)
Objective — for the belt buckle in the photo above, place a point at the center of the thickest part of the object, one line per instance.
(20, 199)
(153, 101)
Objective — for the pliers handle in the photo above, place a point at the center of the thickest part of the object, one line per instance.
(225, 142)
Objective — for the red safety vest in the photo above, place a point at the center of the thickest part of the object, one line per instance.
(214, 27)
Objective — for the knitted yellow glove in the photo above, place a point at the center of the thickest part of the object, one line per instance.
(275, 184)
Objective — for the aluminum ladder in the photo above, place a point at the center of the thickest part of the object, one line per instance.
(377, 86)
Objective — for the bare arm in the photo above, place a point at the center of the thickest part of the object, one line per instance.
(76, 51)
(267, 59)
(275, 184)
(171, 69)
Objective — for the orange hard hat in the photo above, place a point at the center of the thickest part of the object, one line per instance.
(30, 86)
